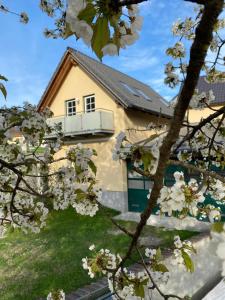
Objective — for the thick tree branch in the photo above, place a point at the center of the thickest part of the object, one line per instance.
(130, 2)
(203, 38)
(201, 2)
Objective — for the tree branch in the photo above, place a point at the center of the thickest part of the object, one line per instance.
(129, 2)
(197, 169)
(155, 286)
(201, 2)
(203, 38)
(200, 125)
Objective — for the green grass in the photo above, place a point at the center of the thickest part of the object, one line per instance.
(33, 264)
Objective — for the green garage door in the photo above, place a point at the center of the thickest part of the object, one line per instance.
(138, 187)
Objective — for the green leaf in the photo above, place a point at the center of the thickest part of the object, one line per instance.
(80, 195)
(139, 290)
(101, 36)
(3, 78)
(188, 261)
(191, 248)
(3, 90)
(158, 255)
(88, 14)
(161, 268)
(146, 158)
(217, 227)
(92, 166)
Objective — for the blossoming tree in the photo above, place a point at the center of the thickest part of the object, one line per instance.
(107, 26)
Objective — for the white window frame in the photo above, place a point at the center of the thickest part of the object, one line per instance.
(74, 107)
(90, 109)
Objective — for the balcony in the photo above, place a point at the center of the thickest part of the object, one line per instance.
(93, 123)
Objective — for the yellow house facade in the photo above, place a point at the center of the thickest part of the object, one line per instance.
(94, 103)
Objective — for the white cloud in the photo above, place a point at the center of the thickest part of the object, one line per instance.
(140, 59)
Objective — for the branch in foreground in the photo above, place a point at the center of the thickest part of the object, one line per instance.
(197, 127)
(203, 38)
(130, 2)
(197, 169)
(200, 2)
(165, 296)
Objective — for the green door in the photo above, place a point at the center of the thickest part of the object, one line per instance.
(138, 187)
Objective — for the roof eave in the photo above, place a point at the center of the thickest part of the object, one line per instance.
(155, 113)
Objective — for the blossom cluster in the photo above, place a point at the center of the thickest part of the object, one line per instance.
(201, 100)
(182, 253)
(119, 151)
(181, 198)
(125, 31)
(90, 20)
(184, 28)
(140, 155)
(217, 190)
(177, 51)
(30, 180)
(102, 262)
(125, 283)
(199, 152)
(56, 295)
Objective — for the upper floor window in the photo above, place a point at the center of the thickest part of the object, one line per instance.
(71, 107)
(89, 102)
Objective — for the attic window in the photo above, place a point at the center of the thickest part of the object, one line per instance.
(130, 89)
(142, 94)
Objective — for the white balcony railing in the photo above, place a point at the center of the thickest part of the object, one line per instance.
(99, 121)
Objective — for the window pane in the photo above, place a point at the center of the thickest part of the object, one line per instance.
(71, 107)
(89, 104)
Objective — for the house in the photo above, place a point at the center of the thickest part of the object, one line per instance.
(94, 103)
(195, 115)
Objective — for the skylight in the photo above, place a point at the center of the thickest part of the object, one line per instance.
(135, 91)
(142, 93)
(130, 89)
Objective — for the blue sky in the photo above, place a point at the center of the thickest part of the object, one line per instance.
(28, 59)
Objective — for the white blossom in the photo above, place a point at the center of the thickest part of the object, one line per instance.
(110, 49)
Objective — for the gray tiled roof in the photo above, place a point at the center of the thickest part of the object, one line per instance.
(217, 88)
(114, 81)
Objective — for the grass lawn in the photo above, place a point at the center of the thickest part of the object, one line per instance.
(33, 264)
